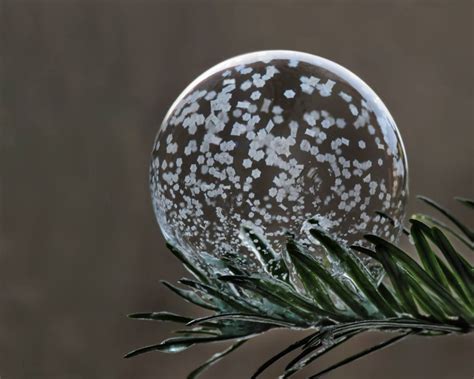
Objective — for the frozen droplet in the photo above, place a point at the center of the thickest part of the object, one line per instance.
(272, 139)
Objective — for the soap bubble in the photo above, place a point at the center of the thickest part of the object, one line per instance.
(269, 140)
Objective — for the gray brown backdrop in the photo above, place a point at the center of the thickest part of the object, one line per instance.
(84, 85)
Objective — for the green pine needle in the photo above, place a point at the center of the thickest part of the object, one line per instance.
(434, 297)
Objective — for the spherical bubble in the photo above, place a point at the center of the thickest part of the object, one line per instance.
(269, 140)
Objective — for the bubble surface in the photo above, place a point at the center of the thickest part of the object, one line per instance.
(269, 140)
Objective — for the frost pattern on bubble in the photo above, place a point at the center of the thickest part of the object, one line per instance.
(270, 140)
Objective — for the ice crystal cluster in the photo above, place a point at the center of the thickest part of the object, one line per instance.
(270, 140)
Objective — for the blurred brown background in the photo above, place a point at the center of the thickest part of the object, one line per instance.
(84, 86)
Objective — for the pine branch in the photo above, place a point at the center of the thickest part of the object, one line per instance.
(432, 298)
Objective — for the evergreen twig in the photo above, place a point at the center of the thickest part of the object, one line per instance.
(433, 298)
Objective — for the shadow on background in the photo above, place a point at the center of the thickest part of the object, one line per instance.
(84, 86)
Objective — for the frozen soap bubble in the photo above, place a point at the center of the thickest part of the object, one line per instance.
(269, 140)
